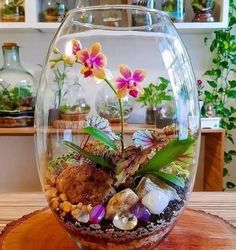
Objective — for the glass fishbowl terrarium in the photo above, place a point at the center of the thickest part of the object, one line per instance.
(17, 92)
(75, 107)
(108, 107)
(122, 186)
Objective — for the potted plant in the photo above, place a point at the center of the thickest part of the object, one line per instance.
(13, 11)
(16, 106)
(152, 98)
(221, 85)
(60, 65)
(203, 10)
(107, 106)
(175, 9)
(75, 112)
(54, 13)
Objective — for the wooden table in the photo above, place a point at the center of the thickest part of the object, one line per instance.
(15, 205)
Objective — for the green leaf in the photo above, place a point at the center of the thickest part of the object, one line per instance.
(231, 94)
(230, 138)
(215, 73)
(227, 112)
(232, 21)
(227, 157)
(166, 155)
(225, 172)
(230, 185)
(233, 61)
(171, 178)
(162, 86)
(224, 64)
(232, 152)
(232, 119)
(232, 83)
(100, 136)
(212, 84)
(97, 159)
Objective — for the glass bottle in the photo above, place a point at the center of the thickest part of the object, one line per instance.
(175, 9)
(13, 11)
(17, 94)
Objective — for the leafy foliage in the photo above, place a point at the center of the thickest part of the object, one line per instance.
(154, 94)
(172, 152)
(202, 5)
(13, 7)
(100, 136)
(93, 158)
(171, 178)
(222, 83)
(11, 99)
(129, 163)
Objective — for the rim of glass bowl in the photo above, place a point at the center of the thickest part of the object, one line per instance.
(145, 10)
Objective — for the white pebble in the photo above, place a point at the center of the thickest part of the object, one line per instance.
(156, 201)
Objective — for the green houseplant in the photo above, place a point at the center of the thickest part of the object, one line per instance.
(153, 96)
(13, 11)
(54, 13)
(221, 82)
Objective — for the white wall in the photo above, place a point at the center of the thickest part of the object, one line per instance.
(34, 46)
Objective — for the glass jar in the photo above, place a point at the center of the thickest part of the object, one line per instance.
(203, 10)
(54, 10)
(107, 106)
(13, 11)
(75, 107)
(17, 94)
(175, 9)
(119, 187)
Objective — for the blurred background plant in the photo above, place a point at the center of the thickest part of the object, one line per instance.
(154, 95)
(221, 83)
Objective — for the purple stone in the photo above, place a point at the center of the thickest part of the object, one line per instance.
(141, 212)
(97, 214)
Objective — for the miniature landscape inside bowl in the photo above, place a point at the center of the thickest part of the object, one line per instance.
(118, 187)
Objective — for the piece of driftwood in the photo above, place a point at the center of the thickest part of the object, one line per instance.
(195, 230)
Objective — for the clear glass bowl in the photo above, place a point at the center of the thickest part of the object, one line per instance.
(118, 187)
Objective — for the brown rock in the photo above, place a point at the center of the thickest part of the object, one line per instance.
(86, 184)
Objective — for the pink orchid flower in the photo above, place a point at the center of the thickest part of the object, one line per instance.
(76, 46)
(94, 61)
(129, 83)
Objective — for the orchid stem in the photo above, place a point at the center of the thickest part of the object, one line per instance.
(121, 115)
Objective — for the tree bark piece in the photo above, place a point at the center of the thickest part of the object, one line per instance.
(194, 230)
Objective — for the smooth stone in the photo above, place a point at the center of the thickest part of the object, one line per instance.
(125, 221)
(83, 217)
(147, 184)
(96, 214)
(121, 202)
(141, 212)
(156, 201)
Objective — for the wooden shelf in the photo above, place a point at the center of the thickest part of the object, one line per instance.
(128, 130)
(32, 22)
